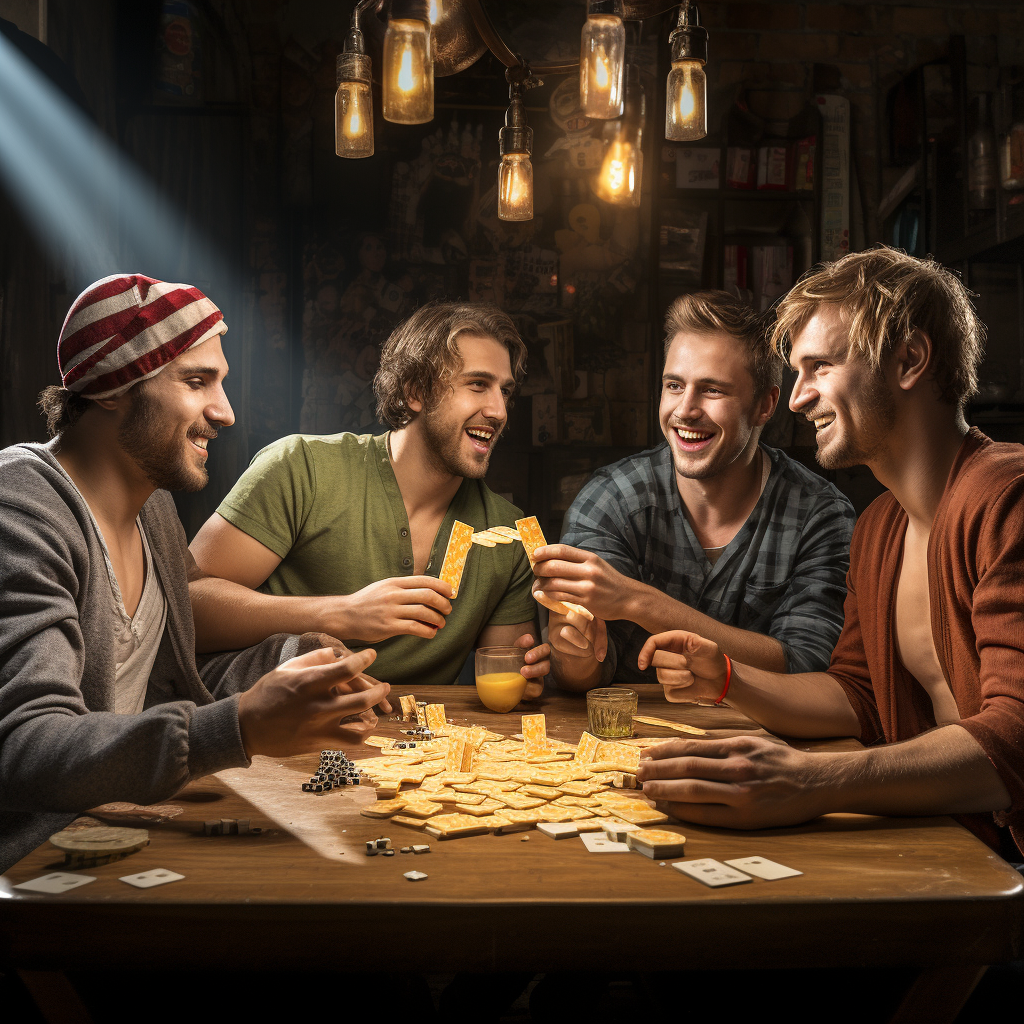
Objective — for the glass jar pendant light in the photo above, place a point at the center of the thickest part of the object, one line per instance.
(686, 103)
(408, 73)
(622, 168)
(602, 60)
(353, 103)
(515, 142)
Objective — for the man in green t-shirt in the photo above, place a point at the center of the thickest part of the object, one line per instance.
(345, 534)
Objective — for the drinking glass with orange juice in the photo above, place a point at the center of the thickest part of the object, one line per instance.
(499, 683)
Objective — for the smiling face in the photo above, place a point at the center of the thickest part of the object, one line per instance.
(462, 428)
(709, 414)
(172, 417)
(849, 403)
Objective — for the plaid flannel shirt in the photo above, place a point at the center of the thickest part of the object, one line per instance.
(783, 574)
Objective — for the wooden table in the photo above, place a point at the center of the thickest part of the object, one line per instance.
(875, 891)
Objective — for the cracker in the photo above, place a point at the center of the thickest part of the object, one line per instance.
(421, 808)
(534, 735)
(546, 792)
(505, 531)
(483, 540)
(401, 819)
(436, 722)
(586, 749)
(562, 607)
(450, 826)
(666, 724)
(620, 753)
(487, 806)
(407, 703)
(494, 535)
(468, 753)
(456, 752)
(519, 802)
(459, 543)
(383, 808)
(640, 813)
(531, 535)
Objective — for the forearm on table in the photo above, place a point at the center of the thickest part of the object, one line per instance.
(229, 616)
(943, 771)
(657, 613)
(806, 704)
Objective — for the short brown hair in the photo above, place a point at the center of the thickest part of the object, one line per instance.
(422, 355)
(61, 408)
(707, 311)
(883, 296)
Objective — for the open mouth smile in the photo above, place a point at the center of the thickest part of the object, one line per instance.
(690, 440)
(481, 438)
(821, 422)
(200, 442)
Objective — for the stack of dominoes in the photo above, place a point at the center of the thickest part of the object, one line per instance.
(335, 770)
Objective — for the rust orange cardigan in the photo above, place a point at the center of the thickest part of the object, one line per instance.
(976, 585)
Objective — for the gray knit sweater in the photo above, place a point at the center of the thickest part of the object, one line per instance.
(62, 749)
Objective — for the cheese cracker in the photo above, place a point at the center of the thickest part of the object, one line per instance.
(532, 536)
(435, 718)
(459, 543)
(484, 540)
(505, 531)
(587, 749)
(534, 735)
(456, 752)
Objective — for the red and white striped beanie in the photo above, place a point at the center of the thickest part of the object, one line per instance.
(128, 327)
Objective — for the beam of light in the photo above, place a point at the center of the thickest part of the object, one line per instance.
(92, 208)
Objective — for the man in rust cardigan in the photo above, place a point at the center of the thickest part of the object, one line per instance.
(929, 670)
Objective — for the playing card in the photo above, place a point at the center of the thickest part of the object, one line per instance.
(57, 881)
(597, 843)
(761, 868)
(147, 879)
(711, 873)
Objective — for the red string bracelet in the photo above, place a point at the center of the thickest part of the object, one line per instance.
(728, 678)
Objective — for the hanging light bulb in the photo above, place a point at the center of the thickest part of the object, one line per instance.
(602, 60)
(622, 169)
(353, 104)
(408, 76)
(515, 143)
(686, 101)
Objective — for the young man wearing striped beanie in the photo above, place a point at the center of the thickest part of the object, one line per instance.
(100, 695)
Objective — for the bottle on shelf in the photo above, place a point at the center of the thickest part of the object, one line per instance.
(1011, 146)
(982, 179)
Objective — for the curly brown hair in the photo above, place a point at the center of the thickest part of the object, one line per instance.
(883, 296)
(422, 355)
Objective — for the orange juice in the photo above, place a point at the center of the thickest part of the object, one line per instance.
(501, 691)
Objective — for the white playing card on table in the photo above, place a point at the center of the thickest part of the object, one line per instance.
(597, 842)
(759, 867)
(57, 881)
(147, 879)
(711, 873)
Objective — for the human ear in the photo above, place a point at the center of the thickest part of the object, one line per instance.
(766, 407)
(913, 357)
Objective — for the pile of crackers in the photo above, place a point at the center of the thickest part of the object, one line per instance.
(470, 781)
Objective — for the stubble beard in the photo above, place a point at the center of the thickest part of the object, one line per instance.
(162, 459)
(444, 447)
(849, 451)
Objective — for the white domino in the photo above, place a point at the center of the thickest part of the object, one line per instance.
(598, 843)
(761, 868)
(711, 873)
(57, 881)
(558, 829)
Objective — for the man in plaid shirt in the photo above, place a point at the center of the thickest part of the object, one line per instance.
(710, 532)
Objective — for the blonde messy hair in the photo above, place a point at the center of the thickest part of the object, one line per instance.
(709, 311)
(883, 296)
(422, 355)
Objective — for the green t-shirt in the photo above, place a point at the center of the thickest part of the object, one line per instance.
(331, 508)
